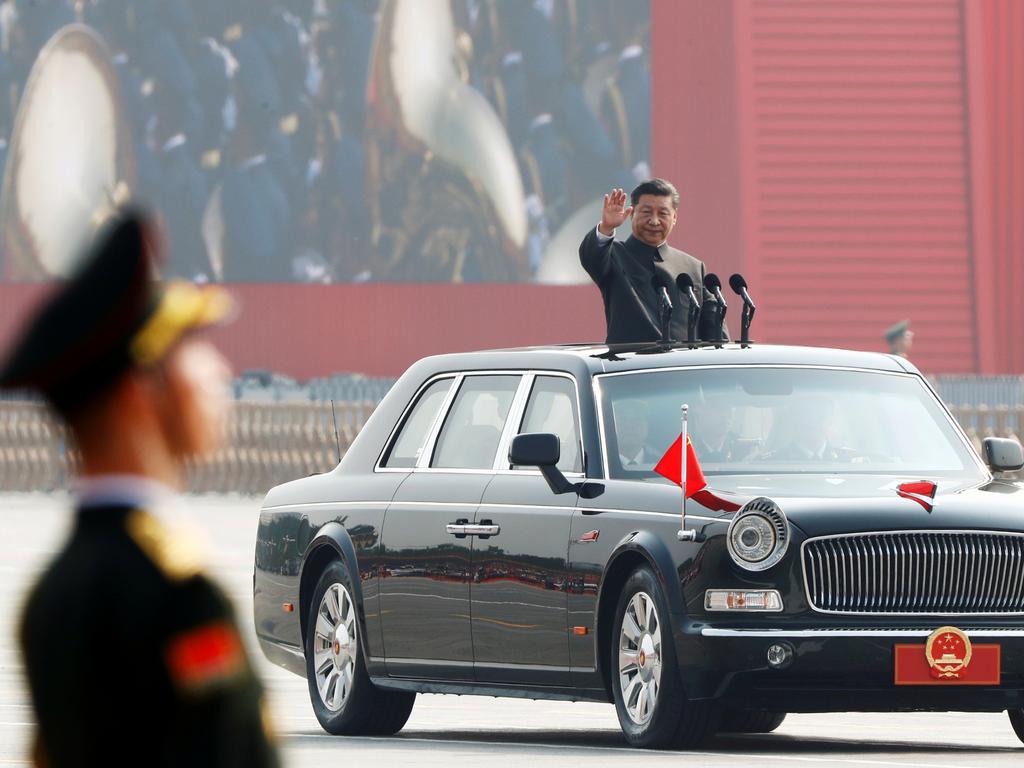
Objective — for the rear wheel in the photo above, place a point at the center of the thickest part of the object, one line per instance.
(649, 699)
(344, 700)
(1017, 721)
(750, 721)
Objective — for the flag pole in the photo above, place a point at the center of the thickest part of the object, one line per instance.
(684, 535)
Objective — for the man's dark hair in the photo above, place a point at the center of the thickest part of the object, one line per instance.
(657, 187)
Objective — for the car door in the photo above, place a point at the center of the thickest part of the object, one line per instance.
(520, 630)
(425, 581)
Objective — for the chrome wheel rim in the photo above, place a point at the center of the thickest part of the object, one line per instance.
(640, 658)
(334, 647)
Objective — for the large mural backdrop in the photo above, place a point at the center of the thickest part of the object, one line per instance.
(340, 141)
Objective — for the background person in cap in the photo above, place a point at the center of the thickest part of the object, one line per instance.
(899, 338)
(132, 655)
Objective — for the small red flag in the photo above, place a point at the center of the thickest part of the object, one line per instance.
(670, 466)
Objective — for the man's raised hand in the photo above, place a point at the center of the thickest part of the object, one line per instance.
(614, 211)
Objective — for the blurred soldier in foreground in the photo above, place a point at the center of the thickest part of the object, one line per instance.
(899, 337)
(132, 655)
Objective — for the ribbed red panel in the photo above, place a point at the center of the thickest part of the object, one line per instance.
(995, 66)
(378, 329)
(855, 173)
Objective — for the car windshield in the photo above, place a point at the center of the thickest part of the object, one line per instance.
(782, 420)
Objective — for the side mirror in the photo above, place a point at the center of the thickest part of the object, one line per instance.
(1003, 454)
(541, 450)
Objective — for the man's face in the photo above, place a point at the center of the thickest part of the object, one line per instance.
(653, 219)
(195, 400)
(902, 343)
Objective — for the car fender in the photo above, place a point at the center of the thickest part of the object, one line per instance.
(657, 554)
(333, 536)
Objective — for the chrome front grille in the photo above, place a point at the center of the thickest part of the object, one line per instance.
(916, 572)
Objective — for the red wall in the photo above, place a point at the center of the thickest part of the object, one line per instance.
(994, 34)
(313, 330)
(860, 162)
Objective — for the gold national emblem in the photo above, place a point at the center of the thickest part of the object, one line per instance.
(948, 651)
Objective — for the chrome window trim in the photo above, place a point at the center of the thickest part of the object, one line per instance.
(303, 504)
(535, 374)
(903, 614)
(850, 632)
(515, 415)
(495, 505)
(393, 436)
(435, 431)
(598, 402)
(517, 411)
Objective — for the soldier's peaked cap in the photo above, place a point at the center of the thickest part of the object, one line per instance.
(110, 316)
(896, 330)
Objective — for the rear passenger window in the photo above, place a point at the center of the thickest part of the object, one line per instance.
(406, 450)
(472, 430)
(552, 408)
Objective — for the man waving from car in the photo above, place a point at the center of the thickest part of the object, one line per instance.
(631, 272)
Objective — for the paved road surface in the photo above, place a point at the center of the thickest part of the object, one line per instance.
(472, 730)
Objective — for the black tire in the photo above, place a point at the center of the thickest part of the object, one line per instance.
(364, 709)
(750, 721)
(673, 721)
(1017, 721)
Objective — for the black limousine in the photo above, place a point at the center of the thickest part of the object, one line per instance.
(498, 528)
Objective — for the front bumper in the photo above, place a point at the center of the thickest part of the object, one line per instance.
(837, 669)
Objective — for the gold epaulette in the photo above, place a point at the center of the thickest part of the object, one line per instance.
(176, 552)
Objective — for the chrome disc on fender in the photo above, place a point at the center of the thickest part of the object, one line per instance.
(640, 658)
(335, 642)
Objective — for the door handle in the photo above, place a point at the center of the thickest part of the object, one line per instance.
(484, 529)
(458, 528)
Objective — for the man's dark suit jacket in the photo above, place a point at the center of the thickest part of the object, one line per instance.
(624, 271)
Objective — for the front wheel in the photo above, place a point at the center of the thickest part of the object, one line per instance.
(344, 700)
(1017, 721)
(649, 698)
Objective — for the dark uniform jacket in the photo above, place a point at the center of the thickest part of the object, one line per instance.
(624, 271)
(133, 656)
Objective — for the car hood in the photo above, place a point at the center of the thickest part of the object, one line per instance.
(826, 504)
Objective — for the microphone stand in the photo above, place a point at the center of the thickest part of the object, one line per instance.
(745, 319)
(692, 316)
(666, 317)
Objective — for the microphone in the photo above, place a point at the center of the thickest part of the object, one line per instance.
(714, 286)
(661, 283)
(739, 285)
(712, 313)
(685, 285)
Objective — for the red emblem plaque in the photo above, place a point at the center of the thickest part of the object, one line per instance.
(948, 658)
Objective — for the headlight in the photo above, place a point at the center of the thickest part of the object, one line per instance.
(759, 535)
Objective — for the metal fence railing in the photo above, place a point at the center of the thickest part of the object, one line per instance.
(270, 443)
(267, 444)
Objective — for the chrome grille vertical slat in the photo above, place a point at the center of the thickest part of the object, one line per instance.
(947, 565)
(926, 573)
(904, 586)
(927, 569)
(986, 572)
(872, 598)
(1017, 580)
(961, 569)
(970, 585)
(998, 575)
(814, 578)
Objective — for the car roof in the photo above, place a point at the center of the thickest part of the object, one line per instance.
(602, 358)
